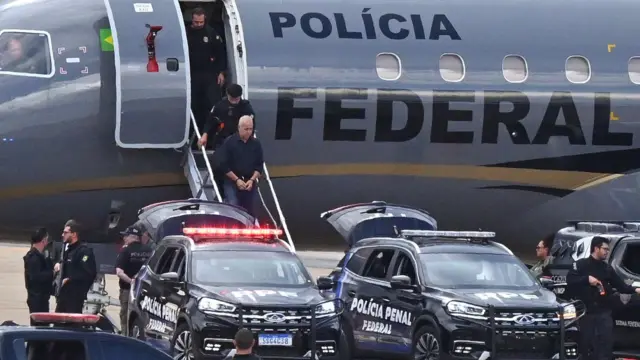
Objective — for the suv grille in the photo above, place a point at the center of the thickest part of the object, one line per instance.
(257, 318)
(527, 319)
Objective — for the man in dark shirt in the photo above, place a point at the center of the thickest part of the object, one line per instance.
(38, 273)
(208, 64)
(593, 281)
(244, 341)
(78, 271)
(241, 161)
(223, 119)
(129, 262)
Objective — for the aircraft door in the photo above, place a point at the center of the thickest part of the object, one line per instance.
(153, 93)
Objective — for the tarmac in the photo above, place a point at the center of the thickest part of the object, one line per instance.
(13, 296)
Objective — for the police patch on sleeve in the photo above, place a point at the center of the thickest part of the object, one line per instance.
(84, 258)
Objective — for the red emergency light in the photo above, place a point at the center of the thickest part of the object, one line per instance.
(226, 232)
(64, 318)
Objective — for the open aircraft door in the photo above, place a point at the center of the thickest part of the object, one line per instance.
(153, 93)
(360, 221)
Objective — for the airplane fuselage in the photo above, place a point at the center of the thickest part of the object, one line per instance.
(516, 157)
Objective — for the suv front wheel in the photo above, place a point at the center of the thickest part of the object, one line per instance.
(182, 343)
(427, 344)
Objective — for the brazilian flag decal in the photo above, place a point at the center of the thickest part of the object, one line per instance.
(106, 40)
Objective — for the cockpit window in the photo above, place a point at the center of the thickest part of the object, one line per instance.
(26, 53)
(459, 270)
(238, 268)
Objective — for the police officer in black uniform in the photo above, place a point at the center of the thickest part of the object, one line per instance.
(592, 280)
(223, 122)
(38, 273)
(129, 262)
(78, 271)
(208, 64)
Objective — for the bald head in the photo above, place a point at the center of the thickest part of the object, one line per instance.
(245, 127)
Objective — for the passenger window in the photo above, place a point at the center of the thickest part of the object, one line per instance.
(164, 265)
(26, 53)
(452, 68)
(404, 266)
(378, 264)
(178, 264)
(50, 350)
(577, 69)
(155, 257)
(357, 260)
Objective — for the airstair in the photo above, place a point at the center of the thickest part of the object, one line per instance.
(199, 173)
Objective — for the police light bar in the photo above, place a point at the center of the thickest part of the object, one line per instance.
(226, 232)
(63, 318)
(452, 234)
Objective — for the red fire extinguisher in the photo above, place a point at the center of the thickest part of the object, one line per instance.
(152, 64)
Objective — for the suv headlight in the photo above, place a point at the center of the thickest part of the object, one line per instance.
(213, 305)
(325, 309)
(458, 308)
(569, 312)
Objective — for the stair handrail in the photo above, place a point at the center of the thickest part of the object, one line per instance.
(283, 221)
(206, 159)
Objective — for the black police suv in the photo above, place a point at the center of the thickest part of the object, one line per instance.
(200, 287)
(573, 242)
(442, 294)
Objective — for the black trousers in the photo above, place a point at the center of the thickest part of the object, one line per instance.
(70, 303)
(596, 336)
(205, 92)
(38, 304)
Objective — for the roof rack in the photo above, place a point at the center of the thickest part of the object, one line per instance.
(468, 236)
(605, 226)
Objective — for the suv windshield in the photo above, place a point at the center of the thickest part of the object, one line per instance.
(458, 270)
(238, 268)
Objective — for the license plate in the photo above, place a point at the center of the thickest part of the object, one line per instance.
(275, 340)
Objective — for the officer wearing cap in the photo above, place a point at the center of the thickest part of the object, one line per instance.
(38, 273)
(77, 272)
(224, 117)
(223, 122)
(130, 260)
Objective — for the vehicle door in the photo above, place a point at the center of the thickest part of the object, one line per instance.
(152, 81)
(173, 293)
(143, 282)
(347, 281)
(359, 221)
(152, 301)
(368, 300)
(624, 261)
(403, 307)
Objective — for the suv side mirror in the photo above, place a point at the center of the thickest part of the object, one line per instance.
(401, 282)
(170, 277)
(324, 283)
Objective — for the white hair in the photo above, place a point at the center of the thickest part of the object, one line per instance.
(245, 119)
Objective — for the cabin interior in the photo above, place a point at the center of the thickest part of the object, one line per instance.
(218, 19)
